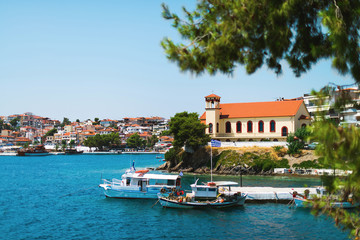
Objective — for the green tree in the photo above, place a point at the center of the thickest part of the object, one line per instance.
(135, 141)
(165, 133)
(188, 131)
(96, 121)
(63, 144)
(338, 148)
(72, 144)
(297, 140)
(7, 126)
(103, 141)
(51, 132)
(14, 122)
(65, 122)
(1, 124)
(77, 120)
(151, 141)
(220, 34)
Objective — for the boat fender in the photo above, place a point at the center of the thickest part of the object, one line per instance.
(180, 200)
(178, 193)
(222, 200)
(294, 194)
(181, 192)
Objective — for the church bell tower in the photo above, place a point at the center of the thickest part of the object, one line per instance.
(212, 108)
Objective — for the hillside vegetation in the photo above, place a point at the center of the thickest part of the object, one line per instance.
(231, 160)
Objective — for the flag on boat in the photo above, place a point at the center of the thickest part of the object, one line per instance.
(215, 143)
(133, 166)
(181, 173)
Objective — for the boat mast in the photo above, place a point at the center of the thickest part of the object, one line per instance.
(211, 162)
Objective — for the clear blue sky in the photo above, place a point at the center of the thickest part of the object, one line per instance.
(91, 58)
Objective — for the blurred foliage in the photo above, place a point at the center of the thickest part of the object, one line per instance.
(220, 35)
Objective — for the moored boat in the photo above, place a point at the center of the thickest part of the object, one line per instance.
(38, 150)
(301, 202)
(307, 201)
(205, 196)
(141, 184)
(72, 151)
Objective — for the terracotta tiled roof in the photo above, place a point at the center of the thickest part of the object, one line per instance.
(258, 109)
(4, 136)
(213, 96)
(22, 139)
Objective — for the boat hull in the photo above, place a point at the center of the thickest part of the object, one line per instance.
(196, 205)
(130, 194)
(25, 154)
(167, 203)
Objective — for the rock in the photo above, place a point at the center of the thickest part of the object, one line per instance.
(190, 169)
(199, 170)
(164, 166)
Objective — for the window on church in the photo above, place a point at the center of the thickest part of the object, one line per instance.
(303, 125)
(217, 127)
(261, 126)
(210, 128)
(272, 126)
(249, 126)
(238, 127)
(228, 127)
(284, 131)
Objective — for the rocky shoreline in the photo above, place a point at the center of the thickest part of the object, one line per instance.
(199, 162)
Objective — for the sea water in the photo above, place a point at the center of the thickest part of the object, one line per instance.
(57, 197)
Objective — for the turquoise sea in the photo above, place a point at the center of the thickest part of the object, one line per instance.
(56, 197)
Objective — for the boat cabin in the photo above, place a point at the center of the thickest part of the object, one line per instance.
(211, 190)
(145, 181)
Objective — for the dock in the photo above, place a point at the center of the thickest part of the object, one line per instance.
(270, 194)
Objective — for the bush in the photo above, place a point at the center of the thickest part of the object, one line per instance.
(297, 141)
(308, 164)
(266, 163)
(174, 156)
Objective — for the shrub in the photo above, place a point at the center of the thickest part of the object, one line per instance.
(308, 164)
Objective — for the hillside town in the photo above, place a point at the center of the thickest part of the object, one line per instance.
(28, 128)
(226, 122)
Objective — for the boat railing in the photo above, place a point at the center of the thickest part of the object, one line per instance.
(105, 181)
(116, 182)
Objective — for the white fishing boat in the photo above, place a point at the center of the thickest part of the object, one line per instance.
(141, 184)
(307, 201)
(208, 195)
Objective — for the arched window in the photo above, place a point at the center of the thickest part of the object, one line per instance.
(227, 140)
(217, 127)
(228, 127)
(210, 127)
(284, 131)
(275, 140)
(238, 127)
(261, 126)
(272, 126)
(303, 125)
(249, 126)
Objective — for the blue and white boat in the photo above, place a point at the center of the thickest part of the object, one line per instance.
(141, 184)
(208, 195)
(303, 201)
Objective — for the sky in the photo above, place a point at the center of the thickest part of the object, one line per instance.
(102, 58)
